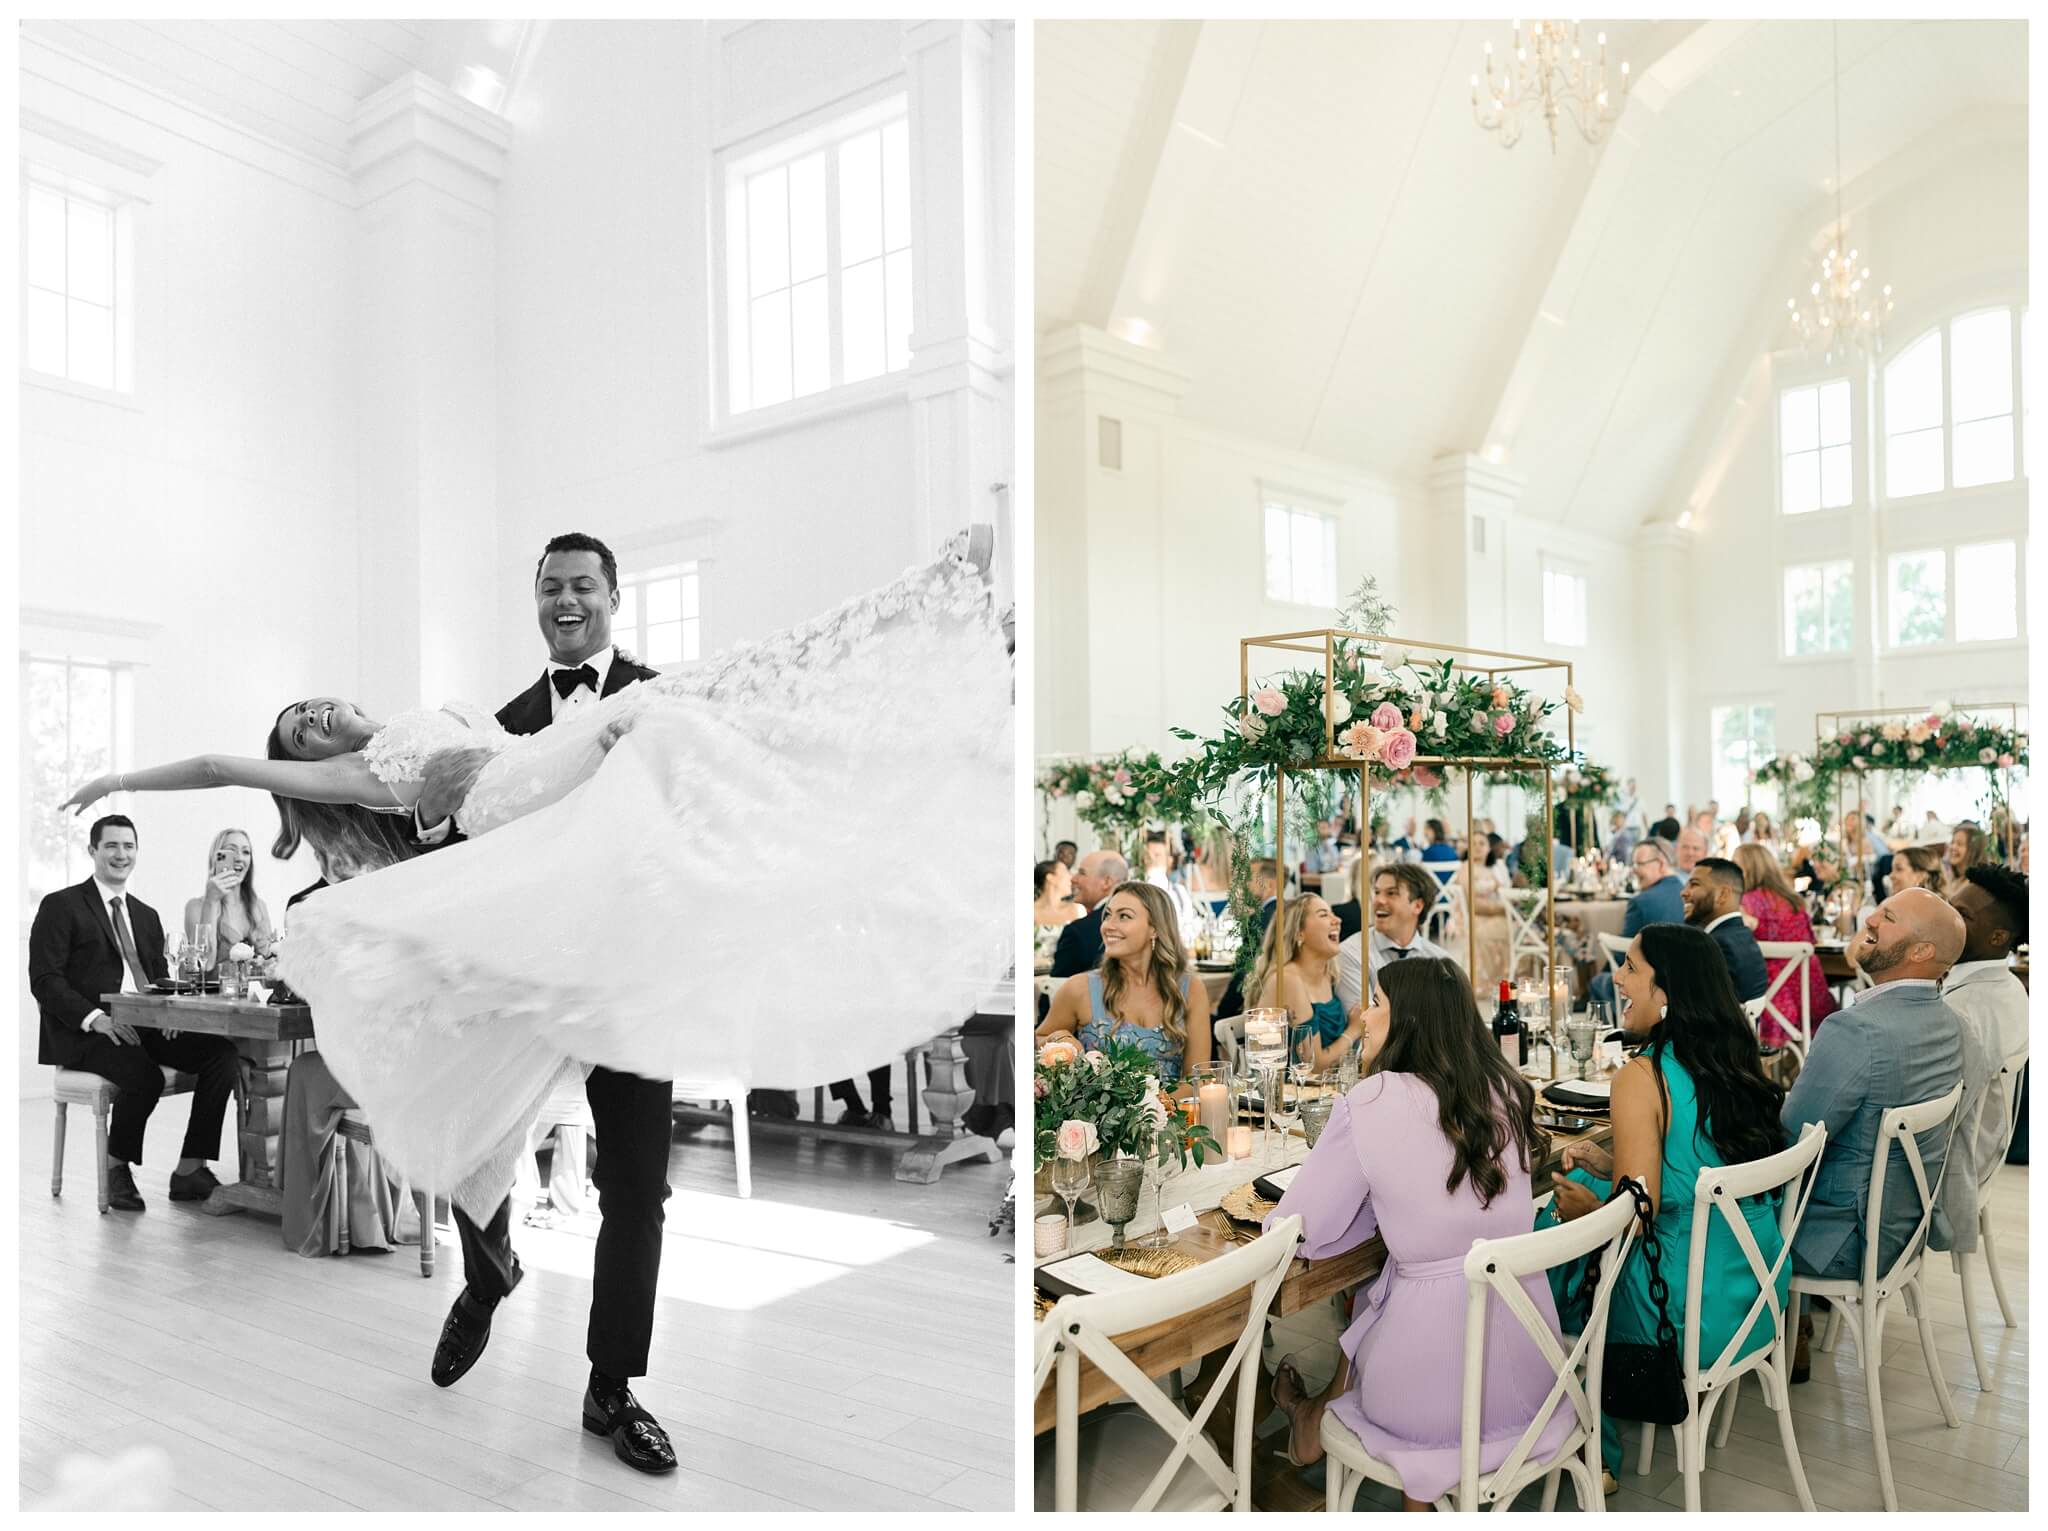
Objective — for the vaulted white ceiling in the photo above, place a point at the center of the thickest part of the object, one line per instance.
(295, 83)
(1305, 218)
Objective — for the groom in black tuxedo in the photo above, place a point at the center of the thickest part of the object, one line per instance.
(576, 590)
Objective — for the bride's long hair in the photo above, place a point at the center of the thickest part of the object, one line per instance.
(348, 840)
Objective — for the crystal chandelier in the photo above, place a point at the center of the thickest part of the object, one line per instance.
(1551, 72)
(1841, 313)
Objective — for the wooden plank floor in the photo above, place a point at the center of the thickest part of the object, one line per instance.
(841, 1341)
(1981, 1466)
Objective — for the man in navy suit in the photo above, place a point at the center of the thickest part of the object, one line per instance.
(98, 938)
(1080, 944)
(1713, 902)
(576, 591)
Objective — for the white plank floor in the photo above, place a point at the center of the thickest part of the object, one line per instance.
(841, 1341)
(1981, 1466)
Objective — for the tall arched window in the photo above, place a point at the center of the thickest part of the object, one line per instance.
(1949, 416)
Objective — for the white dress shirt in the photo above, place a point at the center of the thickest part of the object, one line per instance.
(1351, 959)
(1992, 1003)
(107, 895)
(1863, 996)
(1733, 914)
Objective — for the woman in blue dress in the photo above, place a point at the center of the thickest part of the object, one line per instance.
(1144, 993)
(1694, 1098)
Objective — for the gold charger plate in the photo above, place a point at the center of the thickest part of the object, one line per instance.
(1243, 1204)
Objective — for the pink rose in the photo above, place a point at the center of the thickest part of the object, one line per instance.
(1425, 777)
(1096, 1060)
(1077, 1140)
(1038, 1088)
(2006, 761)
(1269, 701)
(1361, 740)
(1504, 724)
(1399, 749)
(1386, 717)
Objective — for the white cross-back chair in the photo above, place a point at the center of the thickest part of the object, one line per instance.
(1337, 885)
(1153, 1456)
(2010, 1074)
(1614, 948)
(1871, 1293)
(1720, 1190)
(1526, 942)
(1494, 1269)
(1796, 955)
(1229, 1033)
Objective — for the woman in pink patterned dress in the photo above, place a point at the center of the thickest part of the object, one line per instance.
(1778, 915)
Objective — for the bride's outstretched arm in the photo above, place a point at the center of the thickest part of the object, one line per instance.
(338, 779)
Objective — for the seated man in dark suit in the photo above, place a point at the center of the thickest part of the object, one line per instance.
(1080, 945)
(98, 938)
(1713, 902)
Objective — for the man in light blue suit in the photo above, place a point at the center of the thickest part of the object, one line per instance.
(1897, 1044)
(1659, 900)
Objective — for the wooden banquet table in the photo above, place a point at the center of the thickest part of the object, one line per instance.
(1187, 1339)
(1595, 915)
(267, 1037)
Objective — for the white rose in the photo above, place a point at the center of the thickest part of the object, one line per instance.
(1986, 757)
(1084, 800)
(1914, 752)
(1801, 771)
(1437, 723)
(1393, 657)
(1573, 700)
(1251, 728)
(1340, 707)
(1113, 795)
(1480, 723)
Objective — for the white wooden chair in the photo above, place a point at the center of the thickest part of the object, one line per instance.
(1721, 1189)
(734, 1094)
(1228, 1031)
(1153, 1456)
(1872, 1292)
(1614, 948)
(1526, 942)
(1494, 1270)
(1447, 914)
(1796, 955)
(2012, 1071)
(77, 1087)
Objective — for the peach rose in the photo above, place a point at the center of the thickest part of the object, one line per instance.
(1057, 1052)
(1361, 740)
(1500, 696)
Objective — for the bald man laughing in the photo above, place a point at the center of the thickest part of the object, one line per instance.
(1896, 1045)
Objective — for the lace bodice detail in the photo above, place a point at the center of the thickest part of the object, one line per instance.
(399, 752)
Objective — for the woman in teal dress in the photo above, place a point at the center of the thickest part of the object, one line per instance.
(1306, 987)
(1694, 1098)
(1144, 993)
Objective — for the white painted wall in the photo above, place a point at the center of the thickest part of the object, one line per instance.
(208, 533)
(1952, 240)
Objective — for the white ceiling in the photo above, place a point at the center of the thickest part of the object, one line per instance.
(1347, 266)
(295, 83)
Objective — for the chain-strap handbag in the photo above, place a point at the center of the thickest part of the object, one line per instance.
(1637, 1381)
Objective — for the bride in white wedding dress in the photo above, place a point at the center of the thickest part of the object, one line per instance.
(628, 868)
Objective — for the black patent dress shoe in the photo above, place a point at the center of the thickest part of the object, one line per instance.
(464, 1334)
(196, 1186)
(637, 1439)
(121, 1193)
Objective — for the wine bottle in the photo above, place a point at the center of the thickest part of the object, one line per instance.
(1508, 1033)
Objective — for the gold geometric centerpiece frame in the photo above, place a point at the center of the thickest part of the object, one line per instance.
(1829, 726)
(1493, 663)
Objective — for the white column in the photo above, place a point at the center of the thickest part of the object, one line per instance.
(1663, 607)
(426, 166)
(1464, 546)
(962, 419)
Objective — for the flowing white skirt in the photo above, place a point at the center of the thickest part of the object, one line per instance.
(775, 884)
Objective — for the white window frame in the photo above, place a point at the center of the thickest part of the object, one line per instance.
(1785, 650)
(1817, 382)
(818, 131)
(1562, 570)
(122, 210)
(1949, 642)
(1749, 710)
(1292, 505)
(633, 638)
(1948, 604)
(121, 752)
(2015, 310)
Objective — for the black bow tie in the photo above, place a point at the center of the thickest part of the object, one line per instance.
(568, 680)
(1400, 951)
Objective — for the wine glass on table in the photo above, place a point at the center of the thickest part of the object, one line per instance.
(1070, 1181)
(206, 939)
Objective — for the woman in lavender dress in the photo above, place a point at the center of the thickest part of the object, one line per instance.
(1433, 1149)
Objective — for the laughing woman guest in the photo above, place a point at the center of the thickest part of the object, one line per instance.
(1694, 1098)
(1144, 994)
(1432, 1150)
(1778, 915)
(230, 904)
(1307, 986)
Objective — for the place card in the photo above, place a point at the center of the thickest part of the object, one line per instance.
(1179, 1219)
(1611, 1055)
(1085, 1273)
